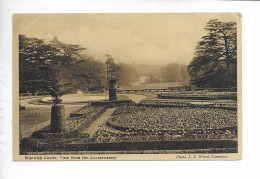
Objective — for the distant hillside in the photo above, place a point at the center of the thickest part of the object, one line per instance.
(173, 72)
(146, 70)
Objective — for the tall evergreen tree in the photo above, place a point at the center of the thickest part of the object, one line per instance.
(215, 57)
(34, 69)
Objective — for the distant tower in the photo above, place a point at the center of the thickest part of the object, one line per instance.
(112, 89)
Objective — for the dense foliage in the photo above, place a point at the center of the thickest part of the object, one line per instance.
(63, 68)
(215, 58)
(173, 72)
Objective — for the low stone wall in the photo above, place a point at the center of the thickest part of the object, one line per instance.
(41, 146)
(200, 96)
(187, 105)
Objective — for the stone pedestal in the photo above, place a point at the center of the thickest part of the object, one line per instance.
(58, 118)
(112, 94)
(112, 89)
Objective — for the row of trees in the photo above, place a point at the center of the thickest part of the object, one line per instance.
(123, 73)
(215, 58)
(64, 68)
(174, 72)
(59, 65)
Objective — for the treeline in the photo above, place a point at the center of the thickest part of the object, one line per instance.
(127, 75)
(215, 59)
(173, 72)
(123, 73)
(64, 68)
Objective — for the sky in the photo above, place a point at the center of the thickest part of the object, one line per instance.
(155, 39)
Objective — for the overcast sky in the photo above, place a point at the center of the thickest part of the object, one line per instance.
(129, 38)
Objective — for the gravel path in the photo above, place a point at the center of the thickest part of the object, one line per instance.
(25, 102)
(33, 125)
(99, 122)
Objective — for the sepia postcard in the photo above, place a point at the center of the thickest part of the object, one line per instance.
(140, 86)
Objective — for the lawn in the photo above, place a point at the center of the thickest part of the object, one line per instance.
(35, 118)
